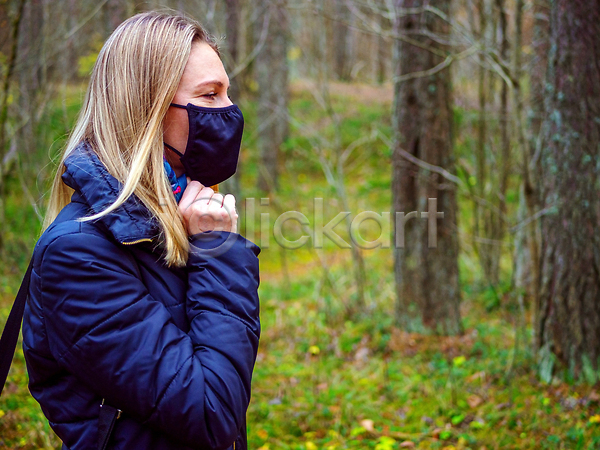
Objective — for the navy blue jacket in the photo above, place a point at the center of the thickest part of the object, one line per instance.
(174, 349)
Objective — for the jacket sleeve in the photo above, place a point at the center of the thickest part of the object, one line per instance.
(107, 329)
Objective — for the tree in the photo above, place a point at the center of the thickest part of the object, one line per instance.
(232, 26)
(526, 258)
(272, 76)
(8, 72)
(231, 58)
(342, 41)
(426, 278)
(568, 326)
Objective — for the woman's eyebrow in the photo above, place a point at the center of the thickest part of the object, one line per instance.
(210, 83)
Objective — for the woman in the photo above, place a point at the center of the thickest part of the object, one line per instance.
(138, 302)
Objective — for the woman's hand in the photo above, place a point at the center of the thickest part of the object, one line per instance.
(204, 210)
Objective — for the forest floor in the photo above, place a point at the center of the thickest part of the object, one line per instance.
(329, 379)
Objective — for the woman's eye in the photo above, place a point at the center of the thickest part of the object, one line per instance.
(212, 95)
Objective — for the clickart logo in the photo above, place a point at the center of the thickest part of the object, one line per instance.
(316, 232)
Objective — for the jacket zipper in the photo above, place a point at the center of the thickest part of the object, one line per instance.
(137, 242)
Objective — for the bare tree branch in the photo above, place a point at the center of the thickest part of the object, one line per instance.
(441, 66)
(532, 218)
(86, 19)
(255, 51)
(423, 164)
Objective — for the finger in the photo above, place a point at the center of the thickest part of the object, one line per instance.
(205, 194)
(216, 202)
(189, 195)
(215, 208)
(229, 204)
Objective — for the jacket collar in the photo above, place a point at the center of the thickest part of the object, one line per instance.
(94, 186)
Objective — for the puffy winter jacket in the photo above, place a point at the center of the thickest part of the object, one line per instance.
(174, 349)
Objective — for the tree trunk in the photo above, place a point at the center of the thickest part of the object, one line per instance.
(6, 82)
(341, 41)
(382, 51)
(568, 328)
(30, 72)
(114, 13)
(232, 26)
(526, 259)
(272, 74)
(499, 217)
(382, 45)
(481, 157)
(426, 278)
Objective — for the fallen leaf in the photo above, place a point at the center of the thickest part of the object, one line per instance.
(407, 444)
(474, 401)
(362, 354)
(367, 424)
(476, 376)
(262, 434)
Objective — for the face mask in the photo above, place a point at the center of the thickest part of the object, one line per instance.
(213, 146)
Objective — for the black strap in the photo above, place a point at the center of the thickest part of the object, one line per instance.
(8, 344)
(106, 422)
(174, 149)
(10, 335)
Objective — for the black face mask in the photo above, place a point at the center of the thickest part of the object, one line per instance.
(213, 146)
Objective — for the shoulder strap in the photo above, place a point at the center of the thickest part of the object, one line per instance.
(10, 335)
(106, 422)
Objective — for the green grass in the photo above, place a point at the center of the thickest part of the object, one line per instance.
(320, 381)
(324, 380)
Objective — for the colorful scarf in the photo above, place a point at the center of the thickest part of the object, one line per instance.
(178, 185)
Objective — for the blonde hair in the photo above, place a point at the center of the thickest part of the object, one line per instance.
(132, 84)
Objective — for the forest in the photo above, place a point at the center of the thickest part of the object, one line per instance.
(423, 178)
